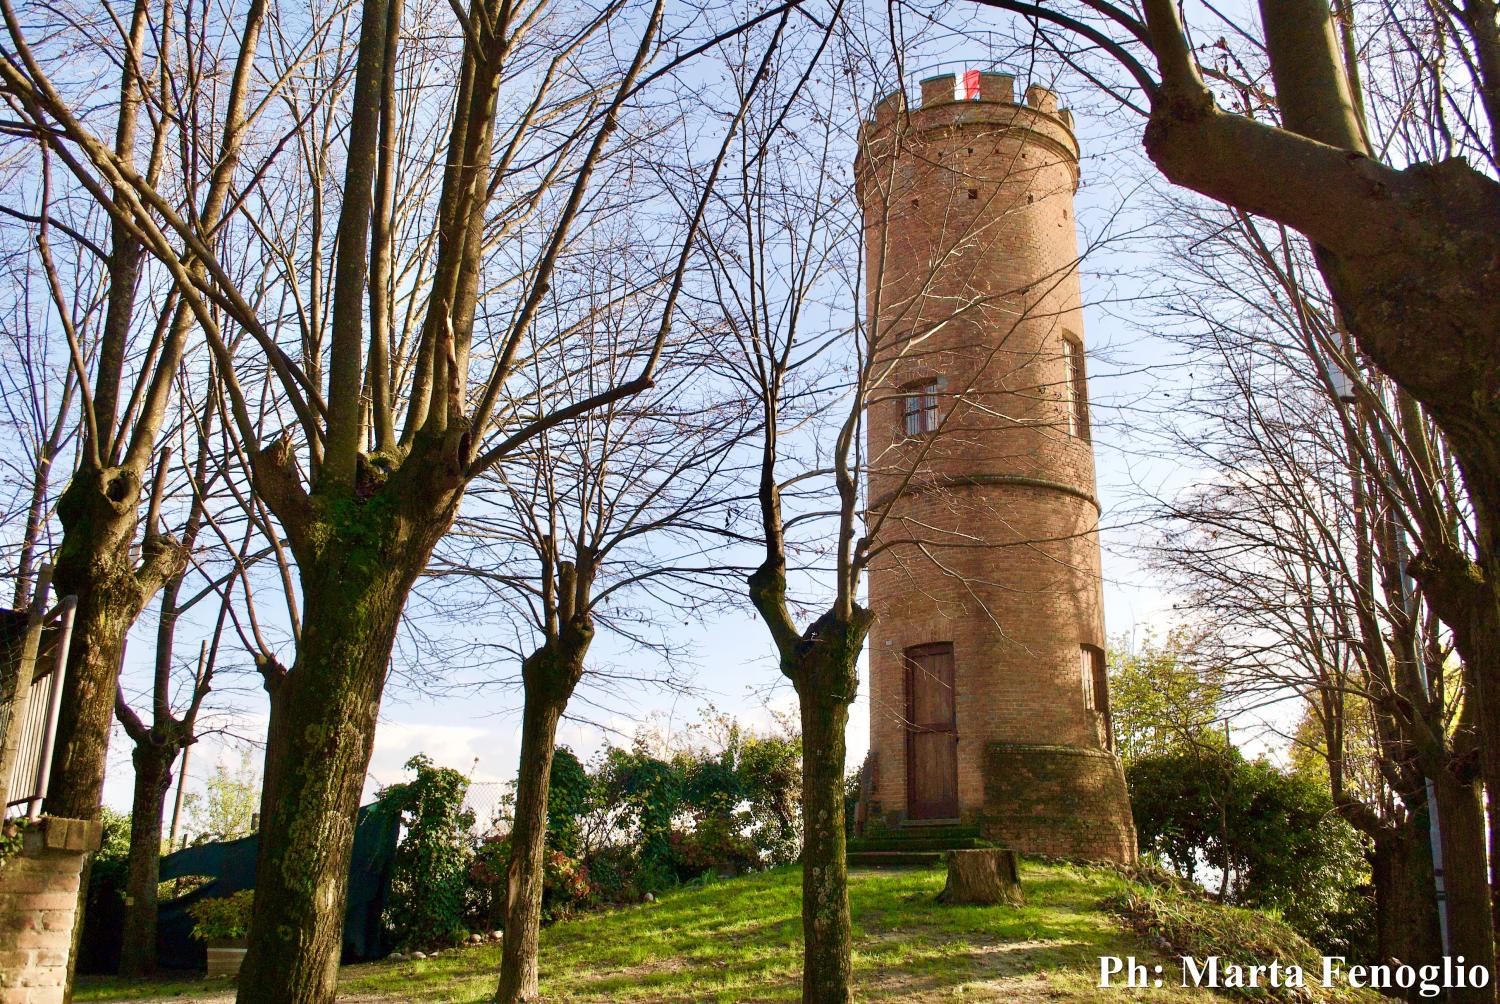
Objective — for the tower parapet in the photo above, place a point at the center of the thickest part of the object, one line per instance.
(989, 701)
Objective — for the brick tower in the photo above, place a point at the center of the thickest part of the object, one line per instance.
(989, 704)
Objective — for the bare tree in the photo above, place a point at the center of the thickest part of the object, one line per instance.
(537, 108)
(1295, 548)
(173, 724)
(138, 347)
(607, 522)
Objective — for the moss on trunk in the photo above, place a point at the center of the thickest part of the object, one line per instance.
(822, 668)
(153, 778)
(98, 515)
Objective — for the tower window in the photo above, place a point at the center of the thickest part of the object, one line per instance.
(1075, 388)
(919, 408)
(1095, 680)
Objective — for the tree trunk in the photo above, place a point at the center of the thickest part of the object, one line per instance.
(1466, 881)
(528, 837)
(322, 729)
(94, 565)
(153, 777)
(825, 688)
(1467, 600)
(550, 675)
(1406, 924)
(987, 876)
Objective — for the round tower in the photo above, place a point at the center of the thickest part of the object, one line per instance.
(989, 703)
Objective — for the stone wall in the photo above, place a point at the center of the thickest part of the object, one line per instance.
(38, 905)
(1061, 801)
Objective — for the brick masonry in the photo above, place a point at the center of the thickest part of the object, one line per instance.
(38, 903)
(987, 529)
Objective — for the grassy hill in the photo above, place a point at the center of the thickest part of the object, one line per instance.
(739, 940)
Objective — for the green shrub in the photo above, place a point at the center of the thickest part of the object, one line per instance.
(224, 918)
(1274, 834)
(565, 882)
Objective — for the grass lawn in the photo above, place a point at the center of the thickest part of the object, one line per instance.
(739, 940)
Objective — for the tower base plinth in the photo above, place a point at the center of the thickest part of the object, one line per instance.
(1062, 801)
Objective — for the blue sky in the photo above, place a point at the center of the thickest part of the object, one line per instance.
(478, 731)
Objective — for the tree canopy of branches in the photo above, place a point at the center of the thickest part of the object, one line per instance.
(364, 246)
(1295, 550)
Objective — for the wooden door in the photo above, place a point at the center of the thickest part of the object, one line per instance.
(931, 734)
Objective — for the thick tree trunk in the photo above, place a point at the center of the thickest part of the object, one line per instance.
(987, 876)
(153, 777)
(98, 514)
(826, 683)
(322, 729)
(550, 675)
(1466, 881)
(1406, 919)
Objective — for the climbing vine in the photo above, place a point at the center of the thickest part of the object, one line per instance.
(427, 897)
(12, 838)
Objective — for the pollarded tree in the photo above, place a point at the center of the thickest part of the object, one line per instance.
(125, 333)
(379, 363)
(600, 523)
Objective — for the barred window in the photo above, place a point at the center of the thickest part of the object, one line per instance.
(1075, 388)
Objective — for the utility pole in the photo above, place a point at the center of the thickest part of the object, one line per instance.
(186, 752)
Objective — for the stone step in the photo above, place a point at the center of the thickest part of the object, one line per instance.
(946, 831)
(894, 859)
(915, 843)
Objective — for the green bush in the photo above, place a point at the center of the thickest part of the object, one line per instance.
(224, 918)
(1275, 835)
(565, 882)
(636, 820)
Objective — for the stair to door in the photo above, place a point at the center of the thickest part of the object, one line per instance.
(922, 843)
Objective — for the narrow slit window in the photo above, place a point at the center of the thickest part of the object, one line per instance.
(1095, 679)
(919, 408)
(1086, 675)
(1075, 388)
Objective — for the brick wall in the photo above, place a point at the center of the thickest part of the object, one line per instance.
(1058, 800)
(38, 904)
(987, 528)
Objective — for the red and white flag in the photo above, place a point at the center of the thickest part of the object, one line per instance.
(970, 91)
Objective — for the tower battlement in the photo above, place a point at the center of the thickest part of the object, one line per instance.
(989, 87)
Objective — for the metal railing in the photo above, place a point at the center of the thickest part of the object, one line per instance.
(29, 712)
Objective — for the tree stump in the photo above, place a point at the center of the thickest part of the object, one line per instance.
(986, 876)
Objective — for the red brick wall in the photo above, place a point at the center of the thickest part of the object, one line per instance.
(988, 528)
(38, 901)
